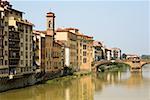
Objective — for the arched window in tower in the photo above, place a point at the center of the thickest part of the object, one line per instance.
(49, 24)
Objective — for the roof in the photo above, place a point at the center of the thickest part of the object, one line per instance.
(50, 14)
(68, 30)
(61, 30)
(15, 10)
(85, 35)
(38, 32)
(25, 22)
(43, 32)
(97, 43)
(109, 49)
(115, 48)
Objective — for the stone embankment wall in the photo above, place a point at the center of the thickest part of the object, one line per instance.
(22, 81)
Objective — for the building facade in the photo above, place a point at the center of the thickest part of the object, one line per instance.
(98, 52)
(15, 42)
(116, 53)
(85, 51)
(108, 53)
(57, 57)
(43, 46)
(70, 39)
(39, 50)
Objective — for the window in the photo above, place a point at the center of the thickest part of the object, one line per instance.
(5, 43)
(84, 60)
(26, 37)
(21, 53)
(16, 13)
(84, 53)
(1, 61)
(5, 33)
(26, 62)
(6, 14)
(26, 29)
(21, 44)
(84, 47)
(26, 46)
(21, 35)
(21, 62)
(49, 24)
(26, 54)
(6, 52)
(6, 23)
(80, 44)
(5, 62)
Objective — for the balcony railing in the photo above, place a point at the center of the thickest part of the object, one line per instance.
(13, 65)
(14, 39)
(16, 57)
(14, 48)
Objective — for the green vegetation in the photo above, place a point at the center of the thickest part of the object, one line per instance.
(114, 67)
(145, 56)
(69, 77)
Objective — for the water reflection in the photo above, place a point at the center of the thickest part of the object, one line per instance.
(115, 85)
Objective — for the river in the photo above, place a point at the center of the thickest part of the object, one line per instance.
(118, 85)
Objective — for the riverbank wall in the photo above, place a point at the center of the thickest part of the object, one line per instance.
(21, 81)
(17, 82)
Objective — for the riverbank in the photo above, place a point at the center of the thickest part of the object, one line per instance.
(69, 77)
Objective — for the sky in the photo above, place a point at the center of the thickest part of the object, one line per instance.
(123, 24)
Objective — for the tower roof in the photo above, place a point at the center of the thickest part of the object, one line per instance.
(50, 14)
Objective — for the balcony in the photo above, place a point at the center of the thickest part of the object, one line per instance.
(14, 39)
(12, 29)
(14, 48)
(17, 57)
(20, 29)
(13, 65)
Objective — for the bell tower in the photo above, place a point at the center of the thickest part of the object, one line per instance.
(50, 23)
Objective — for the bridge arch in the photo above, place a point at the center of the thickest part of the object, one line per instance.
(135, 65)
(145, 63)
(98, 64)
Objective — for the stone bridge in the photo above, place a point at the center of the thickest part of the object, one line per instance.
(135, 65)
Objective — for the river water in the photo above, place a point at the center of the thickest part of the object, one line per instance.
(118, 85)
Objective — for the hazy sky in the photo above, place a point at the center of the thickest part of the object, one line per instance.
(123, 24)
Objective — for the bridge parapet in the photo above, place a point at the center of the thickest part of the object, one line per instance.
(135, 64)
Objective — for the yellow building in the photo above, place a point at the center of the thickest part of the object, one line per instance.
(15, 42)
(70, 39)
(85, 51)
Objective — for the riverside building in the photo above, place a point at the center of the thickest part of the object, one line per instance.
(15, 42)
